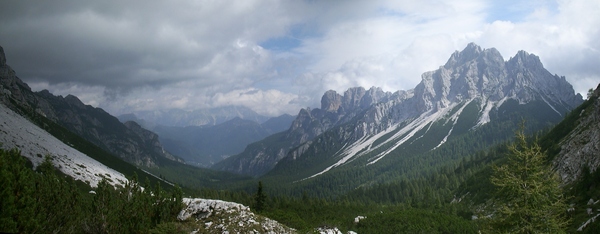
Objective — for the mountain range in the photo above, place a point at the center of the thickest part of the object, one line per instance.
(474, 90)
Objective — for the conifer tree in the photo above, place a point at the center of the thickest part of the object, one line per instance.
(260, 198)
(529, 197)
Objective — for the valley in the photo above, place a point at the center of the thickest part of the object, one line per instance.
(418, 160)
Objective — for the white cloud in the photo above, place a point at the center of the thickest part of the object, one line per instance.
(567, 41)
(144, 55)
(392, 50)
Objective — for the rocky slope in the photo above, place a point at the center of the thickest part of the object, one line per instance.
(34, 143)
(581, 146)
(473, 88)
(128, 141)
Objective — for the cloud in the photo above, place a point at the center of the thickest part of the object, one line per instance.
(566, 39)
(276, 56)
(392, 50)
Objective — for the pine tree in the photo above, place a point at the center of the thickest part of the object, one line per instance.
(529, 198)
(260, 198)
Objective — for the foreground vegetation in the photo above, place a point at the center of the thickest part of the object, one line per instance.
(45, 201)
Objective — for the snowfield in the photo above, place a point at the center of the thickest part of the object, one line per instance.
(35, 144)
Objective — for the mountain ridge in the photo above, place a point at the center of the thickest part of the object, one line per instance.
(472, 77)
(127, 141)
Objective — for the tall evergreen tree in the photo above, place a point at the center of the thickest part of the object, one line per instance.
(529, 197)
(259, 198)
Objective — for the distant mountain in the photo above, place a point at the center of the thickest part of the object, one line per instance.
(475, 93)
(206, 145)
(200, 117)
(129, 141)
(278, 124)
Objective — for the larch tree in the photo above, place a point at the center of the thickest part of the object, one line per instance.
(529, 198)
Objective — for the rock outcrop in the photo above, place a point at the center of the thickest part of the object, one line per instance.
(215, 216)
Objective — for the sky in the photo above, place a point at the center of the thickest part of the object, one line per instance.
(276, 57)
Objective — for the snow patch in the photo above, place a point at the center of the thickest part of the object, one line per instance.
(591, 220)
(411, 129)
(551, 106)
(364, 145)
(35, 143)
(453, 118)
(359, 218)
(485, 113)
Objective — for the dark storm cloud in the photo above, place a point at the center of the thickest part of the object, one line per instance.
(127, 44)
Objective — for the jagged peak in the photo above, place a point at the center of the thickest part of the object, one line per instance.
(472, 47)
(374, 89)
(331, 101)
(304, 111)
(524, 58)
(474, 52)
(471, 52)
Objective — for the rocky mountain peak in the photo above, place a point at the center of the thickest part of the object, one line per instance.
(352, 98)
(471, 52)
(476, 73)
(524, 60)
(331, 101)
(73, 100)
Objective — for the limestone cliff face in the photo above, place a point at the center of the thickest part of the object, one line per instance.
(581, 147)
(128, 141)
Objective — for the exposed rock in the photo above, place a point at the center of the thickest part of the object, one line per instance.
(334, 230)
(582, 146)
(215, 216)
(331, 101)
